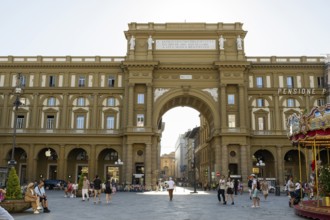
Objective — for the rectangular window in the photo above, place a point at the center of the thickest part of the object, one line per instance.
(111, 102)
(259, 82)
(50, 122)
(260, 103)
(140, 120)
(52, 81)
(23, 81)
(81, 101)
(80, 122)
(81, 82)
(289, 82)
(140, 98)
(110, 122)
(20, 121)
(231, 99)
(261, 123)
(290, 102)
(320, 82)
(51, 101)
(320, 102)
(231, 121)
(111, 81)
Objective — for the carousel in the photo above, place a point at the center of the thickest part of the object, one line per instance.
(310, 133)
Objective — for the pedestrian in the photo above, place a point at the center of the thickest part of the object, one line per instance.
(74, 190)
(230, 190)
(85, 188)
(250, 181)
(170, 188)
(31, 196)
(108, 190)
(235, 186)
(254, 192)
(97, 188)
(264, 188)
(221, 189)
(40, 191)
(4, 214)
(291, 188)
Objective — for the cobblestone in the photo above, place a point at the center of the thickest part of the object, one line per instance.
(156, 205)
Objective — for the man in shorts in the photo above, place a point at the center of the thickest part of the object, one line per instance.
(97, 188)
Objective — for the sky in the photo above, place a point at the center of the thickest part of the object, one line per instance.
(96, 28)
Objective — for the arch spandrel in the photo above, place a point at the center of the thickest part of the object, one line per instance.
(196, 99)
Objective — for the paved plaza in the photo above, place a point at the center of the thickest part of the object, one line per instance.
(156, 205)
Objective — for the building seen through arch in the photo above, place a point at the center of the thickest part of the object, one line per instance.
(103, 114)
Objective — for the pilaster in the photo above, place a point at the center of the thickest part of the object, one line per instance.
(147, 164)
(224, 160)
(129, 161)
(244, 161)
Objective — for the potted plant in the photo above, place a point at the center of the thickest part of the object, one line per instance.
(324, 184)
(14, 201)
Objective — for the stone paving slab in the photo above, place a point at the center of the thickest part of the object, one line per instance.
(156, 205)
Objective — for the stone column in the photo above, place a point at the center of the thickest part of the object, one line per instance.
(147, 165)
(94, 118)
(35, 111)
(149, 105)
(223, 111)
(130, 104)
(248, 159)
(92, 163)
(64, 122)
(129, 163)
(217, 165)
(5, 110)
(279, 166)
(244, 161)
(277, 113)
(61, 163)
(224, 160)
(154, 161)
(242, 115)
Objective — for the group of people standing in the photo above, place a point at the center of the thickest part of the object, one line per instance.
(96, 188)
(226, 189)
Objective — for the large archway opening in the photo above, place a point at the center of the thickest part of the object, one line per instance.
(187, 122)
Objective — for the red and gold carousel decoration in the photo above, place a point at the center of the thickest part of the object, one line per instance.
(312, 131)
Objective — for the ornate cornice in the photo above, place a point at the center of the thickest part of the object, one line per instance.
(59, 65)
(288, 66)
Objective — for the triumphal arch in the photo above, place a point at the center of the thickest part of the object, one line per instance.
(83, 114)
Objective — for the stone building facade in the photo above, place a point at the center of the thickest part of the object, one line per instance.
(89, 112)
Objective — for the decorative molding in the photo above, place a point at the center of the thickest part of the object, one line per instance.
(159, 92)
(213, 92)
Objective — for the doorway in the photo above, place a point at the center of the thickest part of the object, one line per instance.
(52, 172)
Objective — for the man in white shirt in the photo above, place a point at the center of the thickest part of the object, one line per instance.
(40, 191)
(170, 187)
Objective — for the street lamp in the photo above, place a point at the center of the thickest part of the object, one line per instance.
(119, 162)
(194, 164)
(18, 91)
(261, 164)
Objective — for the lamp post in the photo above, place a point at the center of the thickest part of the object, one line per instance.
(18, 91)
(194, 164)
(261, 164)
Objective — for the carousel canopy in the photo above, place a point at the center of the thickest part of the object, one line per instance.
(310, 127)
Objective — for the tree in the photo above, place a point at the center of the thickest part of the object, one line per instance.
(13, 189)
